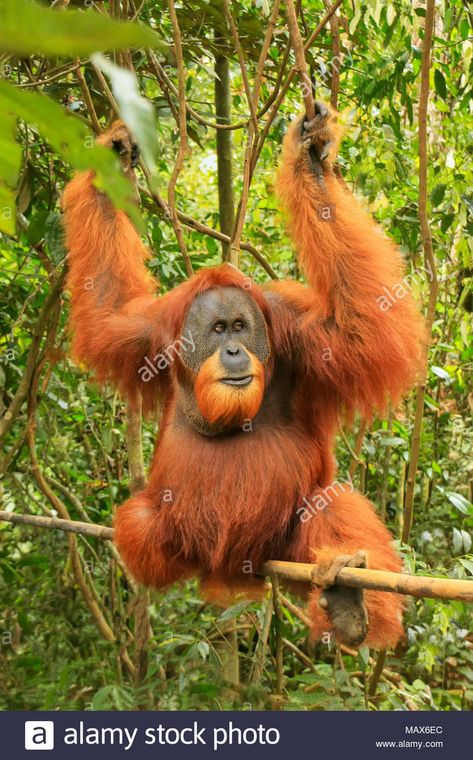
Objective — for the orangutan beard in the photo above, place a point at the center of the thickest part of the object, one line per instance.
(224, 404)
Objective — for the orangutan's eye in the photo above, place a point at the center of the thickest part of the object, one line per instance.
(219, 327)
(238, 325)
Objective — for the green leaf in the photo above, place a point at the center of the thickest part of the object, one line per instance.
(27, 28)
(457, 541)
(341, 678)
(356, 19)
(464, 28)
(466, 541)
(36, 227)
(363, 657)
(234, 611)
(7, 210)
(436, 468)
(390, 14)
(70, 138)
(9, 150)
(430, 402)
(203, 649)
(440, 372)
(212, 246)
(9, 171)
(440, 84)
(467, 563)
(135, 110)
(393, 441)
(437, 194)
(446, 222)
(54, 237)
(459, 501)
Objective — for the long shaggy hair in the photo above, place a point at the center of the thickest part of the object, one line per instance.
(219, 506)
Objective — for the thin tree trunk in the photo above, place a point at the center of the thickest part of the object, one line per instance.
(226, 203)
(383, 500)
(279, 641)
(226, 647)
(429, 259)
(142, 629)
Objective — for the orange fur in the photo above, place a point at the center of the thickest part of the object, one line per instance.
(220, 506)
(224, 404)
(120, 132)
(347, 523)
(365, 353)
(110, 286)
(135, 539)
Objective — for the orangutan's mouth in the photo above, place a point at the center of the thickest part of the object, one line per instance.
(237, 380)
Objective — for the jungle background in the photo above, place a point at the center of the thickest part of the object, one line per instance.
(74, 631)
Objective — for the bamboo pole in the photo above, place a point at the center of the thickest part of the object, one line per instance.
(379, 580)
(57, 523)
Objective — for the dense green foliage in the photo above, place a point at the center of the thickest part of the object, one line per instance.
(52, 653)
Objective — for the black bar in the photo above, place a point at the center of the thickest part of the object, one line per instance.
(228, 735)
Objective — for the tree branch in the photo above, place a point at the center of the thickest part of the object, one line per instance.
(181, 154)
(88, 98)
(283, 90)
(22, 391)
(381, 580)
(298, 47)
(251, 151)
(335, 67)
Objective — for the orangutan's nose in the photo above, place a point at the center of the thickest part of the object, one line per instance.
(234, 358)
